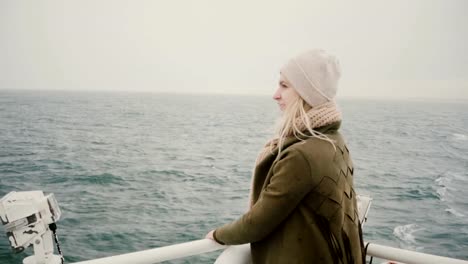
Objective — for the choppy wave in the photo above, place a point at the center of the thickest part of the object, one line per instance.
(442, 186)
(406, 234)
(448, 190)
(460, 137)
(454, 212)
(99, 179)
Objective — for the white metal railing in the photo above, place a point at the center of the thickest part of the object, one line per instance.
(206, 245)
(21, 225)
(161, 254)
(408, 257)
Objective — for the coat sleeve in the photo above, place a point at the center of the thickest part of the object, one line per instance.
(290, 182)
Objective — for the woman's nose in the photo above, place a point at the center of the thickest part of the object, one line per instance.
(277, 94)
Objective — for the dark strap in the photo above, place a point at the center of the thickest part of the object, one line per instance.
(365, 252)
(53, 228)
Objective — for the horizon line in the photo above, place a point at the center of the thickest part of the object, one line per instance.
(367, 97)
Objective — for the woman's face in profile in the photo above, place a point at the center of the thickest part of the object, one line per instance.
(285, 94)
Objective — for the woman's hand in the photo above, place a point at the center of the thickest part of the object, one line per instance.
(210, 235)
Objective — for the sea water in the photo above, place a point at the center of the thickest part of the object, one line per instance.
(134, 171)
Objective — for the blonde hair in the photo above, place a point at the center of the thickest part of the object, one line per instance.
(295, 122)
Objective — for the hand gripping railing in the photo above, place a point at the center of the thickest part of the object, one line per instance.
(232, 254)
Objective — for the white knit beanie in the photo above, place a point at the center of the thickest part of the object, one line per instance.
(314, 75)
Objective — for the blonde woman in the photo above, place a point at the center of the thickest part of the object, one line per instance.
(303, 205)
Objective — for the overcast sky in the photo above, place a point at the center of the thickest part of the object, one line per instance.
(397, 48)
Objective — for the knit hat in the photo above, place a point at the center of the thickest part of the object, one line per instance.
(314, 75)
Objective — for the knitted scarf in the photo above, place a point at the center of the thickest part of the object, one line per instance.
(321, 115)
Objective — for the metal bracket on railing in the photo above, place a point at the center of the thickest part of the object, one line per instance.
(26, 217)
(363, 203)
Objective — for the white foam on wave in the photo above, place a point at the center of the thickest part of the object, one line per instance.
(442, 191)
(443, 180)
(442, 183)
(406, 232)
(447, 184)
(447, 190)
(454, 212)
(460, 137)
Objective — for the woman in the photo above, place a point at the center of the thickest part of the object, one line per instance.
(303, 205)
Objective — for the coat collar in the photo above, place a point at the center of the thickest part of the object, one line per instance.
(327, 129)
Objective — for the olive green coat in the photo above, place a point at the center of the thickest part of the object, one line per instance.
(304, 208)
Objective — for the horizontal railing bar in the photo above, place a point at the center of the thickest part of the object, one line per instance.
(160, 254)
(409, 257)
(201, 246)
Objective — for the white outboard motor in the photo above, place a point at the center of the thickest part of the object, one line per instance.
(29, 219)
